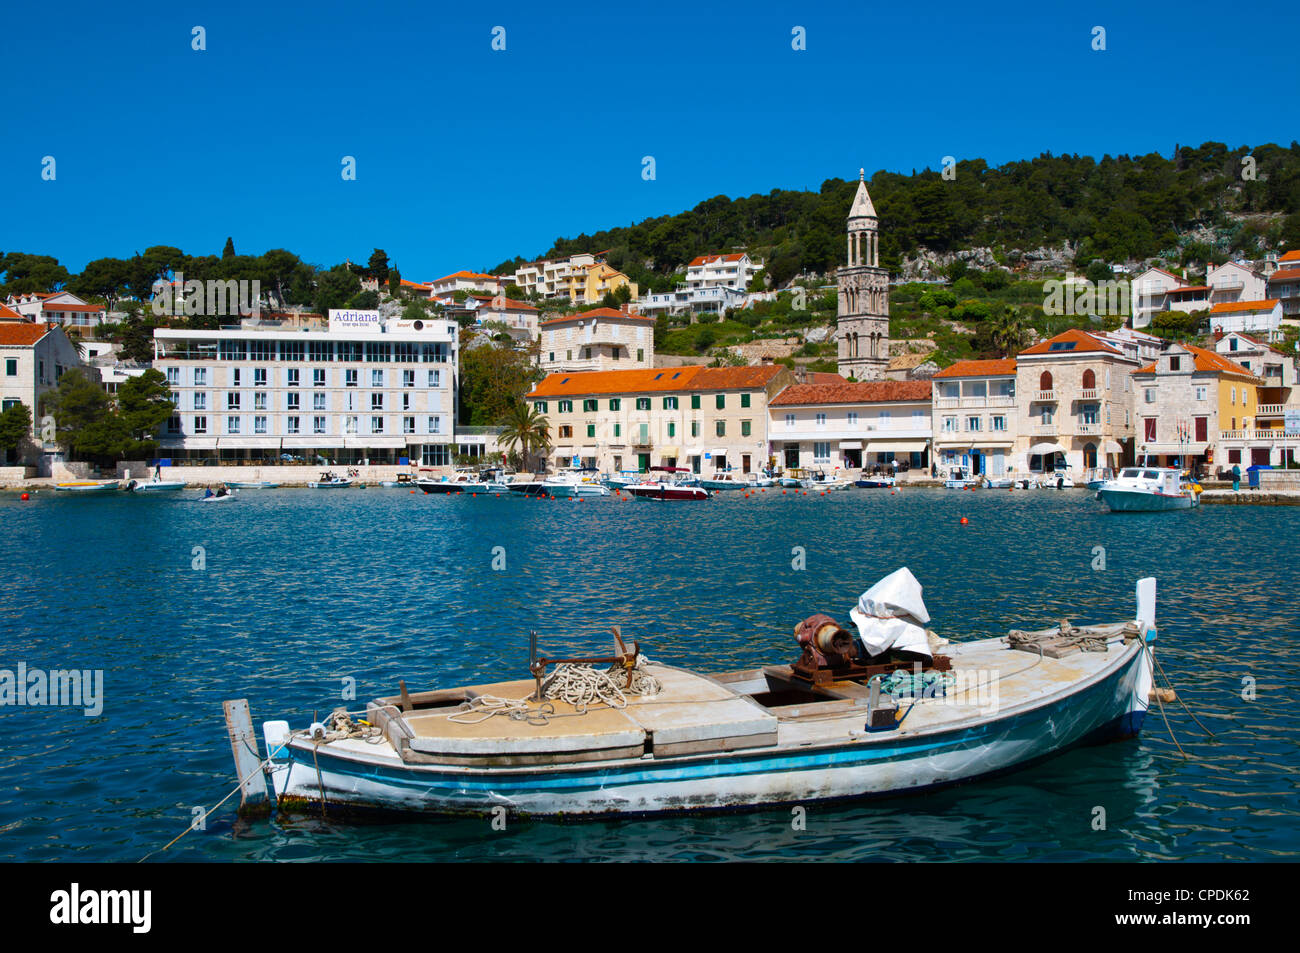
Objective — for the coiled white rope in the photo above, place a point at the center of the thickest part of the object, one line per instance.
(577, 685)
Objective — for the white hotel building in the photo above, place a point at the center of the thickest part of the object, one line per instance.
(384, 392)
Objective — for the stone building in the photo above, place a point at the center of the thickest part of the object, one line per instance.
(863, 315)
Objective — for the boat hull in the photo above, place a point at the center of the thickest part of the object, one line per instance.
(333, 485)
(877, 484)
(157, 486)
(668, 493)
(90, 486)
(1109, 704)
(1142, 501)
(237, 485)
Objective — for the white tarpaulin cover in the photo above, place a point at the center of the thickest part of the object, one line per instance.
(892, 615)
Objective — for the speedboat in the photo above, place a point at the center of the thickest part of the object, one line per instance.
(1149, 489)
(671, 484)
(1056, 480)
(642, 737)
(878, 481)
(154, 486)
(724, 480)
(574, 481)
(621, 479)
(1097, 477)
(998, 483)
(86, 486)
(329, 481)
(221, 496)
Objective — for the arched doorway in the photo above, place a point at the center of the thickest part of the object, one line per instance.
(1089, 453)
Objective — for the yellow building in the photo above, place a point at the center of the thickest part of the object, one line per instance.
(591, 283)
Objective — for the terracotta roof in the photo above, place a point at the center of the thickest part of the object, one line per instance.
(1069, 342)
(68, 306)
(1291, 256)
(1229, 307)
(1207, 361)
(413, 284)
(642, 380)
(1001, 366)
(510, 303)
(8, 312)
(1181, 288)
(22, 335)
(599, 313)
(735, 378)
(709, 259)
(466, 274)
(860, 392)
(824, 377)
(1285, 274)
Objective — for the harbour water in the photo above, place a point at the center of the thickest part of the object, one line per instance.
(283, 596)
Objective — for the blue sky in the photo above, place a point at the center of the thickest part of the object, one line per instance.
(467, 156)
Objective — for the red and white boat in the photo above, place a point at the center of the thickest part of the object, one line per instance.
(667, 486)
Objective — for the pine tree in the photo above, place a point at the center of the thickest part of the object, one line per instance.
(229, 250)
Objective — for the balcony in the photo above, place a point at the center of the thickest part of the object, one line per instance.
(1046, 430)
(1045, 395)
(1088, 429)
(1261, 436)
(1270, 410)
(1089, 393)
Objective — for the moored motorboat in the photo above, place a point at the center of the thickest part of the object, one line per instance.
(221, 496)
(847, 719)
(1149, 489)
(329, 481)
(402, 480)
(878, 481)
(667, 483)
(251, 485)
(154, 486)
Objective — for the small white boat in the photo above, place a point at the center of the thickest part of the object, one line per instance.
(221, 496)
(329, 481)
(86, 486)
(1149, 489)
(251, 485)
(836, 724)
(960, 479)
(1056, 480)
(668, 484)
(403, 480)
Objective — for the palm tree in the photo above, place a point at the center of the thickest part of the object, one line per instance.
(1008, 330)
(525, 427)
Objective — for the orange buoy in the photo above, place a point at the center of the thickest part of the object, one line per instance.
(964, 521)
(25, 496)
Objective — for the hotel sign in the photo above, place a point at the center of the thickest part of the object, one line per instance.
(342, 319)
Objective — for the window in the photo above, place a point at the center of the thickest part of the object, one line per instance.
(232, 425)
(618, 432)
(408, 425)
(435, 425)
(200, 424)
(1089, 380)
(591, 430)
(745, 428)
(173, 424)
(1175, 362)
(317, 401)
(435, 378)
(640, 354)
(552, 357)
(1203, 425)
(720, 402)
(853, 418)
(232, 400)
(173, 373)
(589, 406)
(408, 378)
(695, 402)
(695, 428)
(721, 428)
(350, 377)
(643, 403)
(973, 423)
(821, 452)
(744, 400)
(376, 401)
(200, 377)
(950, 425)
(291, 377)
(540, 406)
(821, 421)
(566, 406)
(1149, 429)
(586, 353)
(377, 378)
(320, 351)
(350, 425)
(1091, 413)
(376, 424)
(566, 430)
(259, 425)
(670, 403)
(259, 400)
(1234, 396)
(292, 425)
(200, 401)
(259, 377)
(291, 401)
(406, 402)
(1200, 391)
(1045, 381)
(672, 429)
(615, 403)
(1149, 395)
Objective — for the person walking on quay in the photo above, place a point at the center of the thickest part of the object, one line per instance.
(1236, 478)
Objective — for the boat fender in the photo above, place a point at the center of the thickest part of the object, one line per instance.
(1162, 695)
(316, 732)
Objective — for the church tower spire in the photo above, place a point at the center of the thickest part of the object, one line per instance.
(863, 315)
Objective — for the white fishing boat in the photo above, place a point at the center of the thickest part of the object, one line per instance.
(251, 485)
(876, 481)
(1056, 480)
(1097, 477)
(1150, 489)
(574, 481)
(406, 480)
(86, 486)
(960, 479)
(154, 486)
(878, 712)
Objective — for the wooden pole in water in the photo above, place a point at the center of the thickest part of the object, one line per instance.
(253, 797)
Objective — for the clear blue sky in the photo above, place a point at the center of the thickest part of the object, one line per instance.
(467, 156)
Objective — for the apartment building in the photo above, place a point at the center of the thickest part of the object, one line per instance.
(59, 307)
(1074, 397)
(603, 339)
(976, 420)
(470, 282)
(1196, 407)
(32, 359)
(365, 389)
(1284, 287)
(851, 425)
(704, 418)
(1250, 317)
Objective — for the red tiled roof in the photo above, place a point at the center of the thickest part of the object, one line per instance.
(67, 306)
(22, 335)
(1230, 307)
(1182, 288)
(735, 378)
(824, 377)
(860, 392)
(1083, 343)
(1291, 256)
(8, 312)
(1001, 366)
(709, 259)
(638, 381)
(1285, 274)
(1207, 361)
(467, 274)
(599, 313)
(510, 303)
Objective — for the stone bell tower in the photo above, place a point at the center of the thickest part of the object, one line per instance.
(863, 317)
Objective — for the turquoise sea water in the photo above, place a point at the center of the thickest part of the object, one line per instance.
(302, 589)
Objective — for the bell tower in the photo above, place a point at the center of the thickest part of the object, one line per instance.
(862, 324)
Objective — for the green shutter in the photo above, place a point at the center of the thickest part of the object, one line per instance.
(744, 400)
(722, 401)
(695, 402)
